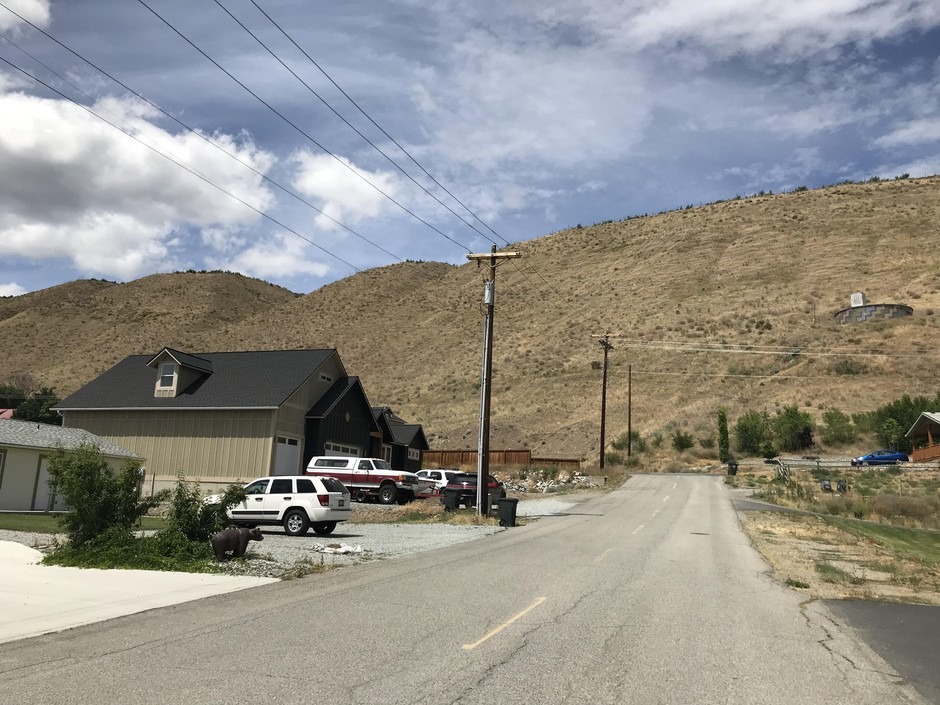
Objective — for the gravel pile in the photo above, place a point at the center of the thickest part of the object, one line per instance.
(280, 555)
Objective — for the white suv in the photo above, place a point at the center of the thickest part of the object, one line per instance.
(295, 502)
(435, 480)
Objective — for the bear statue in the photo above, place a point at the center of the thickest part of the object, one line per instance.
(234, 540)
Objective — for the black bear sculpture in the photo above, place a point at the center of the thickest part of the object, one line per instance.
(234, 541)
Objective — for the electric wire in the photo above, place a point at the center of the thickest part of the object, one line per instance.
(347, 123)
(180, 164)
(301, 131)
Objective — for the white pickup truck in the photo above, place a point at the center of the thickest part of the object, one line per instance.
(368, 477)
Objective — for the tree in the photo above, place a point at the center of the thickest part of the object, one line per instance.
(838, 427)
(38, 407)
(891, 435)
(196, 519)
(753, 433)
(98, 498)
(793, 429)
(724, 449)
(11, 396)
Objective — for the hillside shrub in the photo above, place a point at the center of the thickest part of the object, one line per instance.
(838, 428)
(753, 433)
(681, 440)
(99, 499)
(793, 429)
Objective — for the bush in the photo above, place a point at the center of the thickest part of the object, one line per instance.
(656, 440)
(681, 440)
(838, 427)
(724, 448)
(612, 458)
(98, 498)
(193, 518)
(753, 433)
(794, 429)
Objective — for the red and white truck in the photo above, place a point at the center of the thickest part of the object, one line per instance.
(368, 477)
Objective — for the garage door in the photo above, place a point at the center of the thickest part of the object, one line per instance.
(287, 458)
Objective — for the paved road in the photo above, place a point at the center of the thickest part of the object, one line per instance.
(649, 594)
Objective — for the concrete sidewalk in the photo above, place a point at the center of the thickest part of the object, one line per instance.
(37, 599)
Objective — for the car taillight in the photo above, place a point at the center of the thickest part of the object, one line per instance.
(324, 500)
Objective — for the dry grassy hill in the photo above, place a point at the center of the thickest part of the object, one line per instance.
(764, 271)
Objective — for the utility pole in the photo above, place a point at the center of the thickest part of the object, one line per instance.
(483, 449)
(605, 343)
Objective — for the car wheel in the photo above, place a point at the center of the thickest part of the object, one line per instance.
(323, 528)
(388, 493)
(865, 463)
(296, 523)
(406, 497)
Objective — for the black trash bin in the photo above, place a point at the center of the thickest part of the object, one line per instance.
(507, 511)
(450, 499)
(732, 467)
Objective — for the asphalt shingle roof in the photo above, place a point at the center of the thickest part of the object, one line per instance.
(29, 434)
(238, 380)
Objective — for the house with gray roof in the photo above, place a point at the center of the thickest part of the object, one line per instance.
(225, 417)
(25, 449)
(403, 443)
(924, 436)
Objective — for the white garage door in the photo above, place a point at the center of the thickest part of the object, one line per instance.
(287, 458)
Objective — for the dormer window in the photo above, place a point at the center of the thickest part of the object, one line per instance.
(167, 375)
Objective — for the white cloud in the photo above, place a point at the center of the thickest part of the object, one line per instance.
(36, 11)
(11, 289)
(340, 193)
(282, 256)
(923, 131)
(76, 188)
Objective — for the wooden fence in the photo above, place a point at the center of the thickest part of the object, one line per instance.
(468, 458)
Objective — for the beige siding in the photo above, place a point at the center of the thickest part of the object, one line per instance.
(18, 482)
(291, 417)
(221, 446)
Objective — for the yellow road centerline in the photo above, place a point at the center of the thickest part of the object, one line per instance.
(497, 630)
(601, 557)
(665, 498)
(638, 529)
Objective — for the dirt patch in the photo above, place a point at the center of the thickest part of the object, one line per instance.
(825, 562)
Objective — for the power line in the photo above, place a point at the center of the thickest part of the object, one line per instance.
(341, 117)
(181, 165)
(300, 130)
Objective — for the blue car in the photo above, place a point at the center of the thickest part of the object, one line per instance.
(881, 457)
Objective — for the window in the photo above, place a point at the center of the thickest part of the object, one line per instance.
(257, 487)
(414, 454)
(387, 453)
(2, 458)
(306, 487)
(327, 379)
(167, 374)
(287, 441)
(282, 486)
(331, 463)
(365, 465)
(333, 485)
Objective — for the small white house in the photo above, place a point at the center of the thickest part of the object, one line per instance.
(25, 448)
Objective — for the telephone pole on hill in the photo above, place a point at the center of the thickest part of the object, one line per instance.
(483, 449)
(605, 343)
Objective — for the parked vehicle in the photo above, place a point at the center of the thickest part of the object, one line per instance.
(465, 485)
(881, 457)
(367, 478)
(297, 503)
(434, 481)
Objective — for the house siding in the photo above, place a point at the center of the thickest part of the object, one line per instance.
(213, 447)
(335, 428)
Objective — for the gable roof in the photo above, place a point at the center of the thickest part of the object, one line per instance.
(239, 380)
(340, 389)
(29, 434)
(925, 417)
(183, 359)
(400, 432)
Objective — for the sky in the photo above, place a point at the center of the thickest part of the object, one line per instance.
(302, 141)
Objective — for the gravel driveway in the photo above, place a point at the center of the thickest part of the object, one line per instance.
(279, 554)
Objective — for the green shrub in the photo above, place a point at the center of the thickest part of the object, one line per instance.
(195, 519)
(98, 498)
(793, 429)
(724, 448)
(681, 440)
(656, 440)
(753, 432)
(838, 428)
(612, 458)
(707, 442)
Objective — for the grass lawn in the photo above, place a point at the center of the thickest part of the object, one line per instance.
(916, 544)
(49, 523)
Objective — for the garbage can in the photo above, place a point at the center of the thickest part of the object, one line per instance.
(732, 467)
(450, 499)
(507, 511)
